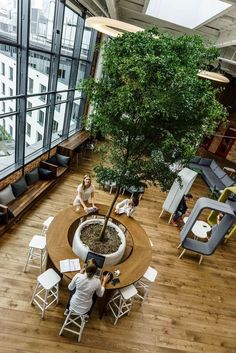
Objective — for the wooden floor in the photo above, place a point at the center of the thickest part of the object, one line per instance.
(190, 308)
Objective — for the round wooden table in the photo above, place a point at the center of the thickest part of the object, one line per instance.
(60, 237)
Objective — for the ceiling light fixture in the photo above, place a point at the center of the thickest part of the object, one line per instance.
(214, 76)
(109, 26)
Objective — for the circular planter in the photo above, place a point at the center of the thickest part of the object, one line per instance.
(81, 249)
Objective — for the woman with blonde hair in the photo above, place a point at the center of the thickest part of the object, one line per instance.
(84, 191)
(84, 285)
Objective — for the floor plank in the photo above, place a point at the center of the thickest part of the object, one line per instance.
(190, 308)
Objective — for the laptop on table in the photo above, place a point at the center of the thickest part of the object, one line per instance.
(100, 259)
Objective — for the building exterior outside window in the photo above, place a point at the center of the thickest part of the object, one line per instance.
(52, 112)
(2, 69)
(10, 73)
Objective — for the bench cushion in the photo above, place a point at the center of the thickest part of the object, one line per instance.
(19, 187)
(6, 195)
(227, 181)
(32, 177)
(195, 159)
(219, 172)
(205, 161)
(62, 161)
(45, 174)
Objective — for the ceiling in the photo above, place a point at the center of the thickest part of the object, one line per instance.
(221, 30)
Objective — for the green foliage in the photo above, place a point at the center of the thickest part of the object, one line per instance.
(152, 105)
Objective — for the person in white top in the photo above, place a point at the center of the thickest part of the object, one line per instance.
(127, 206)
(85, 285)
(84, 191)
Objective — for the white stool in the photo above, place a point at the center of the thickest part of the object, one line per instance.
(144, 283)
(37, 252)
(77, 321)
(47, 290)
(121, 302)
(46, 225)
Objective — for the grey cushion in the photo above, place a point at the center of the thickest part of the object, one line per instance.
(212, 180)
(6, 195)
(63, 161)
(205, 161)
(219, 172)
(52, 160)
(45, 174)
(19, 187)
(213, 165)
(32, 177)
(227, 181)
(195, 159)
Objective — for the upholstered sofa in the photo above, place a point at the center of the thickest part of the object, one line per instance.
(212, 173)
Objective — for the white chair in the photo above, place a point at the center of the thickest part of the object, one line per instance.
(37, 254)
(46, 225)
(46, 291)
(121, 302)
(143, 284)
(76, 322)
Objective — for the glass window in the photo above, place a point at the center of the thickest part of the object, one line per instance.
(38, 70)
(30, 85)
(80, 76)
(10, 92)
(42, 88)
(58, 121)
(3, 108)
(3, 69)
(41, 23)
(40, 117)
(69, 29)
(10, 73)
(75, 118)
(28, 129)
(35, 140)
(3, 88)
(7, 142)
(85, 43)
(29, 106)
(64, 76)
(8, 19)
(39, 137)
(8, 62)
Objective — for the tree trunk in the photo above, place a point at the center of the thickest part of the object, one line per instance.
(102, 235)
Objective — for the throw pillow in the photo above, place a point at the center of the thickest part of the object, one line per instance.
(6, 195)
(205, 161)
(19, 187)
(3, 218)
(63, 161)
(52, 160)
(195, 159)
(45, 174)
(32, 177)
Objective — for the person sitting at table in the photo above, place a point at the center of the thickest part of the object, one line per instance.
(84, 191)
(83, 286)
(182, 210)
(127, 206)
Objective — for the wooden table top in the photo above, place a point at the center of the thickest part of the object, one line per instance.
(61, 232)
(76, 140)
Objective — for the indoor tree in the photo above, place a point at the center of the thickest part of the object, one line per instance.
(151, 106)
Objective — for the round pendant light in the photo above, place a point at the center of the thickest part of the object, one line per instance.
(110, 27)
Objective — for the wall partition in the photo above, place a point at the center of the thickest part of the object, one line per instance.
(45, 51)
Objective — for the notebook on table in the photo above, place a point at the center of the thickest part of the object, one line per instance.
(100, 259)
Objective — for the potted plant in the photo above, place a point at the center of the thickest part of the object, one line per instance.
(151, 106)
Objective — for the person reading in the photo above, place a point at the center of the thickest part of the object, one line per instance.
(127, 206)
(182, 210)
